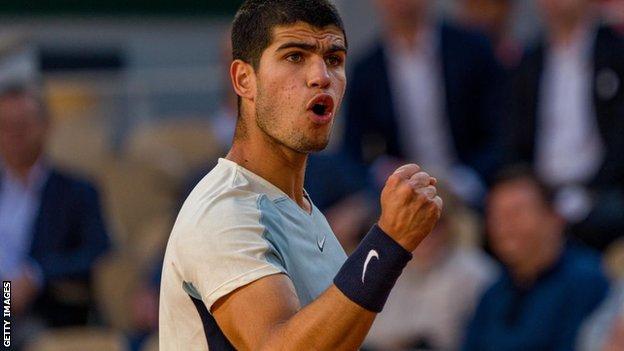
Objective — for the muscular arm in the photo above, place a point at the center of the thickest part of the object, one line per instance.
(266, 315)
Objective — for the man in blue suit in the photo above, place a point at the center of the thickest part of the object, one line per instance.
(51, 226)
(429, 93)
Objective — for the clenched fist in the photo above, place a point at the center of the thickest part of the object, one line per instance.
(410, 206)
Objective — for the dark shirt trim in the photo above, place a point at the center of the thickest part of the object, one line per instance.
(217, 341)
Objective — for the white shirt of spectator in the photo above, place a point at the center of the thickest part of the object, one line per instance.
(569, 147)
(416, 82)
(415, 77)
(19, 205)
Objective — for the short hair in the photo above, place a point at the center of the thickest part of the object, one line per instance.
(517, 172)
(252, 29)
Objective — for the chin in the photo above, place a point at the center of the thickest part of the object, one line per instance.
(308, 149)
(311, 145)
(319, 146)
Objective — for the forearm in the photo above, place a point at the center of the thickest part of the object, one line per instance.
(338, 319)
(331, 322)
(341, 317)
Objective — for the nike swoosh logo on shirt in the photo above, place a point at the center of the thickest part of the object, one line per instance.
(321, 243)
(371, 254)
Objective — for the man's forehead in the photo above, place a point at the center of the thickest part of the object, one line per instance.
(301, 31)
(520, 188)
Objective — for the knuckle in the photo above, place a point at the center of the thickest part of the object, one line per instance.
(393, 179)
(424, 175)
(405, 189)
(422, 179)
(410, 168)
(432, 190)
(440, 202)
(418, 176)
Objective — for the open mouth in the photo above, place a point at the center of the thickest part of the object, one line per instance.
(322, 105)
(319, 109)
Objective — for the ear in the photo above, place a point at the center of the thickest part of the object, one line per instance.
(243, 79)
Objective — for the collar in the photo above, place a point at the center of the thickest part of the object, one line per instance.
(581, 45)
(427, 42)
(545, 274)
(35, 180)
(270, 189)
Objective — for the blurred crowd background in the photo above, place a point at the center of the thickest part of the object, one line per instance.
(109, 114)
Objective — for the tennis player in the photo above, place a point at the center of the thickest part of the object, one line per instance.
(251, 263)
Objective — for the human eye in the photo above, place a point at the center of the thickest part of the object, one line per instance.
(334, 60)
(295, 57)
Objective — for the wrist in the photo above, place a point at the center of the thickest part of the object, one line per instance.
(371, 271)
(406, 241)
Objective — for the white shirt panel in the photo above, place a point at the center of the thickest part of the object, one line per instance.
(416, 83)
(19, 205)
(569, 146)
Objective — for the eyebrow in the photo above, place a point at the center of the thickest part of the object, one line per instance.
(310, 47)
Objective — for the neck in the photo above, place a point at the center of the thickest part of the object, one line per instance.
(563, 32)
(276, 163)
(407, 33)
(543, 259)
(20, 171)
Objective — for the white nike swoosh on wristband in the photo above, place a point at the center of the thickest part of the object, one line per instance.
(371, 254)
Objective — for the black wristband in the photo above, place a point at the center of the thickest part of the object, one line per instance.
(371, 271)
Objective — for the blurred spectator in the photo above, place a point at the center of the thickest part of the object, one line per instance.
(567, 118)
(429, 93)
(604, 331)
(432, 301)
(549, 286)
(145, 307)
(492, 17)
(613, 12)
(51, 225)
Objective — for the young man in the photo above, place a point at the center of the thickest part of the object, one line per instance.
(251, 263)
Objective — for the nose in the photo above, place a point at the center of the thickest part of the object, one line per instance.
(319, 75)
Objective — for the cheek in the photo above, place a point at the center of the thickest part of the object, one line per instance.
(340, 84)
(273, 94)
(506, 228)
(343, 87)
(282, 90)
